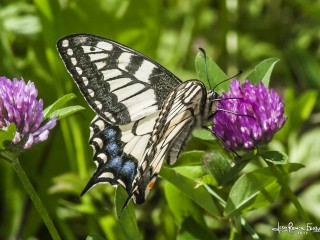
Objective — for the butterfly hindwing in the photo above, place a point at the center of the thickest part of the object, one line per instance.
(118, 150)
(114, 79)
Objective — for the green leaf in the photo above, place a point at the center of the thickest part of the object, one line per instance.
(191, 230)
(262, 72)
(64, 112)
(298, 108)
(66, 183)
(254, 190)
(190, 158)
(6, 135)
(208, 180)
(57, 104)
(181, 205)
(94, 237)
(187, 214)
(292, 167)
(202, 134)
(306, 103)
(215, 74)
(193, 172)
(274, 157)
(218, 164)
(126, 218)
(188, 187)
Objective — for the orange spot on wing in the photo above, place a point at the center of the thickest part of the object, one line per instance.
(151, 183)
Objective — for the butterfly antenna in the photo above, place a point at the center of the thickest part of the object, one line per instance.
(205, 65)
(228, 79)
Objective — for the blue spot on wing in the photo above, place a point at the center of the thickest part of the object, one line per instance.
(128, 170)
(110, 134)
(115, 163)
(113, 149)
(123, 166)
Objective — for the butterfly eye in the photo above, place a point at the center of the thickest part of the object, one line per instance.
(215, 96)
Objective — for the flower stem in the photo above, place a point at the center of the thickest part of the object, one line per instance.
(35, 198)
(282, 181)
(243, 222)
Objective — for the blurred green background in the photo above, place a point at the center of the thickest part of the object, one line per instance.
(236, 34)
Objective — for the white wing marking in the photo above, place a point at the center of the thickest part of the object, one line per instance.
(105, 46)
(103, 156)
(118, 83)
(85, 81)
(101, 125)
(137, 145)
(98, 141)
(65, 43)
(136, 139)
(100, 64)
(98, 104)
(138, 106)
(98, 56)
(111, 73)
(91, 92)
(123, 60)
(127, 135)
(69, 52)
(144, 71)
(146, 126)
(107, 175)
(121, 183)
(79, 70)
(126, 92)
(74, 61)
(174, 130)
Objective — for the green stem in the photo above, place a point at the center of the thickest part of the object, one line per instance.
(282, 181)
(243, 222)
(35, 198)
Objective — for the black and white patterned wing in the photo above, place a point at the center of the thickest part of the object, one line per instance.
(121, 85)
(184, 109)
(118, 150)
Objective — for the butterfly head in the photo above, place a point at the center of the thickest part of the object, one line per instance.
(212, 95)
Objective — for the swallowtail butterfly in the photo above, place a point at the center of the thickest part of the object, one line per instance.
(144, 112)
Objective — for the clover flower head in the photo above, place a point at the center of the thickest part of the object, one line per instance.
(248, 116)
(19, 105)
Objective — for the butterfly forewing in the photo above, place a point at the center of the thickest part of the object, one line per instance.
(114, 79)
